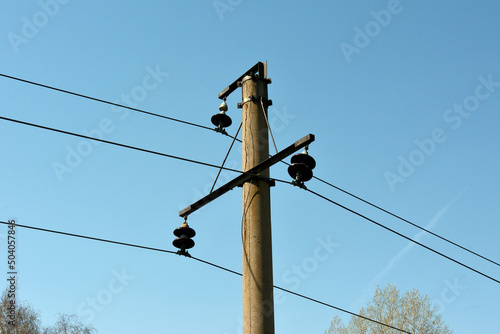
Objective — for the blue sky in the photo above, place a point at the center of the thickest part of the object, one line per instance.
(402, 96)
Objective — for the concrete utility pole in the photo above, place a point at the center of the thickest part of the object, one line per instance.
(258, 304)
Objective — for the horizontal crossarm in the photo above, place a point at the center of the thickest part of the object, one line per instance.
(246, 176)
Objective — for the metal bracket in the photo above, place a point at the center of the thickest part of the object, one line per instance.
(271, 182)
(299, 184)
(221, 130)
(260, 68)
(266, 102)
(245, 100)
(183, 252)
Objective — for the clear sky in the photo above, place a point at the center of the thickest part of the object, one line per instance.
(404, 100)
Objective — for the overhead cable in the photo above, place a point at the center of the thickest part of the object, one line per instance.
(116, 144)
(402, 235)
(104, 101)
(129, 147)
(407, 221)
(225, 158)
(199, 260)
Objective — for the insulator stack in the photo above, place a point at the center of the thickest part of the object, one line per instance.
(301, 168)
(184, 239)
(221, 120)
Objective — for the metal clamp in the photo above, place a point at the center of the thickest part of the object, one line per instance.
(271, 182)
(266, 102)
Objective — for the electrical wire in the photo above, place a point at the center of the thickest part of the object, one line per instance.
(406, 221)
(306, 297)
(104, 101)
(234, 138)
(131, 147)
(402, 219)
(118, 144)
(237, 171)
(268, 126)
(210, 165)
(199, 260)
(342, 310)
(225, 158)
(115, 104)
(89, 238)
(401, 235)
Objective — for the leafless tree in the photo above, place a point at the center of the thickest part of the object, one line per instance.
(27, 320)
(411, 312)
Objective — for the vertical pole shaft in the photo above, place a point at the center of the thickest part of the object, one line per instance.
(258, 305)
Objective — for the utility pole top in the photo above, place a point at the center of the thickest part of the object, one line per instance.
(260, 68)
(258, 300)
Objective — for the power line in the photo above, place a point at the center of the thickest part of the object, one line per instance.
(268, 126)
(402, 235)
(234, 138)
(133, 147)
(401, 218)
(225, 158)
(90, 238)
(104, 101)
(237, 171)
(337, 308)
(221, 167)
(202, 261)
(117, 144)
(305, 297)
(406, 221)
(114, 104)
